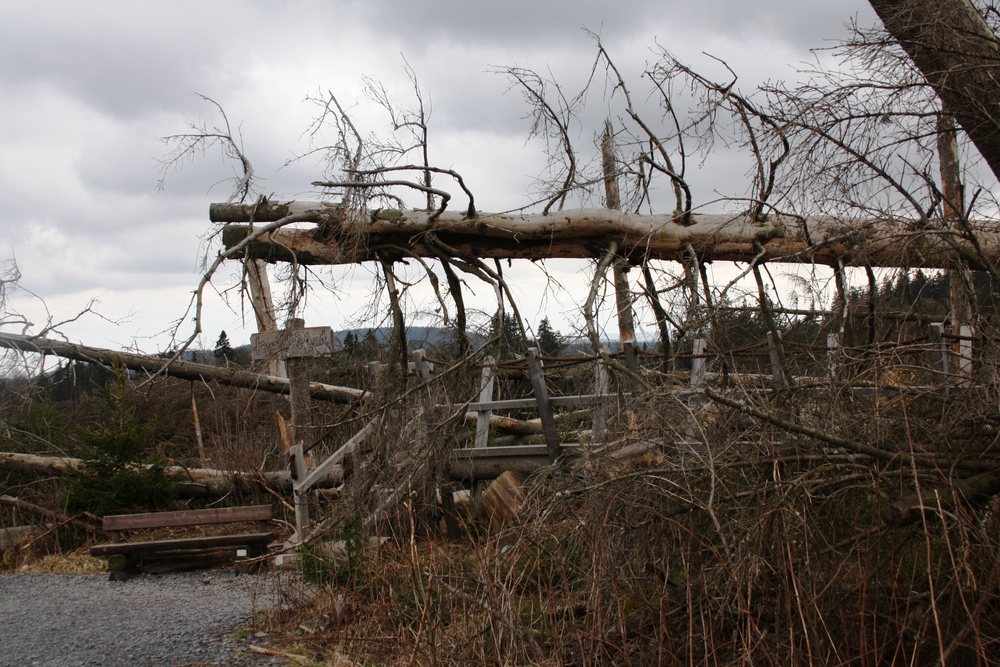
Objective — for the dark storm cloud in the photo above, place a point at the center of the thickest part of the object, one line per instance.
(805, 23)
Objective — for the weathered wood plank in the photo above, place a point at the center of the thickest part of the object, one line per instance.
(486, 382)
(320, 472)
(187, 518)
(528, 403)
(157, 546)
(542, 403)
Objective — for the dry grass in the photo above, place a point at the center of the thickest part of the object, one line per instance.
(732, 542)
(69, 563)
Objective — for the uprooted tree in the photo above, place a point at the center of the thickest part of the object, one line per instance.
(810, 488)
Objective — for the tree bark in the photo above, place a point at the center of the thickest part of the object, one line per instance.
(587, 233)
(958, 54)
(187, 370)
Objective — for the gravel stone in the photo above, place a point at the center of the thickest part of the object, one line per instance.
(68, 620)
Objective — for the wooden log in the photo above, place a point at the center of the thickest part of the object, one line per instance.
(504, 498)
(187, 370)
(912, 508)
(506, 424)
(191, 482)
(39, 465)
(491, 462)
(466, 464)
(58, 517)
(586, 233)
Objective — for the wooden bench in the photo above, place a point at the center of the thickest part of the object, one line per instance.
(126, 559)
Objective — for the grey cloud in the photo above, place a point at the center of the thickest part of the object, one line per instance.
(522, 22)
(121, 58)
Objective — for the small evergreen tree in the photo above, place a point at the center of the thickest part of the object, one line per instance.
(223, 349)
(550, 342)
(509, 341)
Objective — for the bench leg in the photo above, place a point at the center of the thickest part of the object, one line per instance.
(123, 566)
(246, 564)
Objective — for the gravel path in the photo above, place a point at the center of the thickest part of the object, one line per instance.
(173, 619)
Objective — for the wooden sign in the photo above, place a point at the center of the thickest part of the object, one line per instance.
(293, 343)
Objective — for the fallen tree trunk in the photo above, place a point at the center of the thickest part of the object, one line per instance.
(58, 517)
(207, 483)
(931, 502)
(191, 482)
(587, 233)
(187, 370)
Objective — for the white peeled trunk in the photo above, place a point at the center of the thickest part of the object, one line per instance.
(587, 233)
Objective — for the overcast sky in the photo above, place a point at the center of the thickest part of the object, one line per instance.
(87, 89)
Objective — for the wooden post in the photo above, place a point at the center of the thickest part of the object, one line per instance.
(197, 431)
(601, 388)
(780, 381)
(486, 382)
(298, 377)
(832, 350)
(953, 208)
(294, 345)
(301, 404)
(965, 353)
(429, 510)
(297, 466)
(263, 308)
(938, 352)
(620, 267)
(698, 346)
(631, 351)
(542, 400)
(421, 366)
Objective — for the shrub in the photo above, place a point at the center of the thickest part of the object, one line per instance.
(120, 472)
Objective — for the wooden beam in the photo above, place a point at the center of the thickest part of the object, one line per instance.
(586, 233)
(187, 517)
(153, 546)
(486, 382)
(542, 403)
(528, 403)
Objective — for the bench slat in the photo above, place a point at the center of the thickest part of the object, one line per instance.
(187, 518)
(155, 546)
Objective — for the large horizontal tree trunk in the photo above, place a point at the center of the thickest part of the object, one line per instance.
(187, 370)
(587, 233)
(466, 464)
